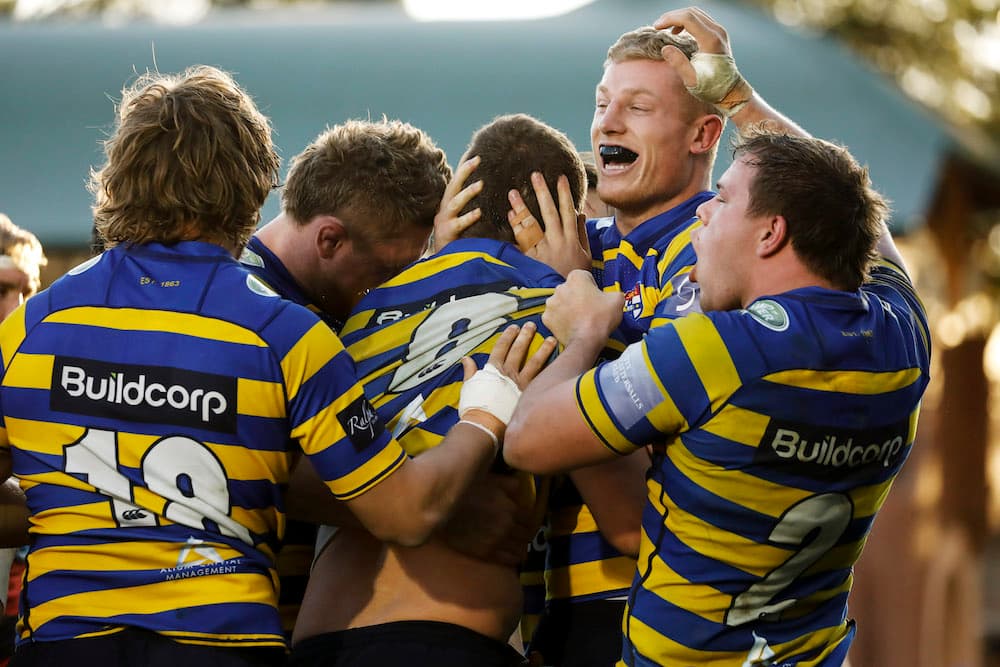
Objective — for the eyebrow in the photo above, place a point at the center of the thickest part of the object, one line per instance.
(629, 91)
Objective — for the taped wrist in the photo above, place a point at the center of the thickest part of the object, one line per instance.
(491, 391)
(493, 436)
(719, 83)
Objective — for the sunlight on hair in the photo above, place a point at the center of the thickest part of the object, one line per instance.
(510, 10)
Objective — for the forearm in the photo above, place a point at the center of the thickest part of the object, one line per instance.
(615, 493)
(415, 500)
(757, 112)
(310, 500)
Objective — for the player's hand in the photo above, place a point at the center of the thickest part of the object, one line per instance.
(510, 357)
(563, 243)
(579, 309)
(448, 224)
(487, 523)
(489, 395)
(710, 35)
(711, 74)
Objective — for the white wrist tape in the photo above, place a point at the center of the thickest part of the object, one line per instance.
(717, 77)
(493, 436)
(491, 391)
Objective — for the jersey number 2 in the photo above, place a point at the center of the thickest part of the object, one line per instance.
(813, 526)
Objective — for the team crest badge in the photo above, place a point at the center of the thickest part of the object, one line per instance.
(633, 302)
(769, 313)
(250, 258)
(257, 286)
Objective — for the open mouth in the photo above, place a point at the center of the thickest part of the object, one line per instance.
(615, 155)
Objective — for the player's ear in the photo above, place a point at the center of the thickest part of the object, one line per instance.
(773, 236)
(331, 235)
(708, 132)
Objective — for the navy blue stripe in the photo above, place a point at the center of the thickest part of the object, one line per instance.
(579, 548)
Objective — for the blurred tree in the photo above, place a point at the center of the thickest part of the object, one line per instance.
(944, 53)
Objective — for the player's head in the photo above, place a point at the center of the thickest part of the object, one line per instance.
(511, 148)
(370, 191)
(655, 143)
(191, 157)
(786, 198)
(834, 215)
(21, 259)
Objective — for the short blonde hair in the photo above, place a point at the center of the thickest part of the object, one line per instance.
(646, 43)
(190, 152)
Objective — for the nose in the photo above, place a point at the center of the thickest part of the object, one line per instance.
(703, 211)
(610, 120)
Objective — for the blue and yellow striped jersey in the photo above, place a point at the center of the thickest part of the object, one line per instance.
(408, 336)
(151, 401)
(781, 428)
(650, 265)
(295, 556)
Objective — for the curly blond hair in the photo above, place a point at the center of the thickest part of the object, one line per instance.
(191, 157)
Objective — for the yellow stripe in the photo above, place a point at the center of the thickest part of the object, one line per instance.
(310, 354)
(56, 479)
(677, 244)
(160, 597)
(116, 556)
(42, 437)
(752, 492)
(241, 463)
(625, 250)
(596, 416)
(710, 357)
(720, 545)
(847, 382)
(11, 335)
(136, 319)
(588, 578)
(570, 520)
(69, 519)
(665, 417)
(665, 651)
(257, 398)
(30, 371)
(737, 424)
(238, 640)
(359, 480)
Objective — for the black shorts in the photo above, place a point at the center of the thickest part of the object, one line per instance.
(404, 644)
(133, 646)
(580, 634)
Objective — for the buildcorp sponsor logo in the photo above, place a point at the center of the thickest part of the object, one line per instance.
(151, 394)
(821, 451)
